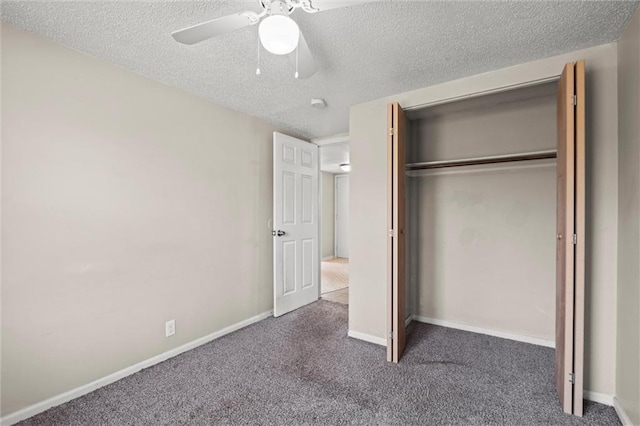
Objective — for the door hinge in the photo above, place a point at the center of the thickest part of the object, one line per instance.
(575, 100)
(575, 239)
(572, 378)
(390, 335)
(392, 233)
(391, 132)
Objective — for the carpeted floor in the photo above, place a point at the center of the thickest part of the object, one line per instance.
(303, 369)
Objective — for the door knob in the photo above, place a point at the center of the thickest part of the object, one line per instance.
(278, 233)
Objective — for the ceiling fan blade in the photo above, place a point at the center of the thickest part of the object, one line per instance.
(215, 27)
(322, 5)
(306, 65)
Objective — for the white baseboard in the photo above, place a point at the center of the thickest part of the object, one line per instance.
(39, 407)
(624, 417)
(367, 338)
(328, 258)
(451, 324)
(601, 398)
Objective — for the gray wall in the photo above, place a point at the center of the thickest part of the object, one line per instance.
(367, 269)
(125, 203)
(485, 249)
(628, 342)
(328, 214)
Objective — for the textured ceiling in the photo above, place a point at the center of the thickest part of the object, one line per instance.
(363, 52)
(331, 156)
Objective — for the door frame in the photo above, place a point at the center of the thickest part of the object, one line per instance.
(319, 213)
(554, 78)
(335, 210)
(332, 140)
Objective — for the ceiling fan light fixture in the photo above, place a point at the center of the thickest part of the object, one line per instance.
(279, 34)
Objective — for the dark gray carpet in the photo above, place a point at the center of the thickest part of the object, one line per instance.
(303, 369)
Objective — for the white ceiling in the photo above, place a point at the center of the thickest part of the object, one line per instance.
(332, 155)
(363, 52)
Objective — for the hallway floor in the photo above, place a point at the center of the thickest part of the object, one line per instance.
(335, 280)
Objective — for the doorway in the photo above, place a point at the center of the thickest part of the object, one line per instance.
(335, 167)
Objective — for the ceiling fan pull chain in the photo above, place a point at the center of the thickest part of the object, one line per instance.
(297, 49)
(258, 69)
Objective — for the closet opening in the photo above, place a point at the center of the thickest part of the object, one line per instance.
(481, 213)
(486, 222)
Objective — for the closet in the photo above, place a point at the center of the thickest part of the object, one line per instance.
(486, 218)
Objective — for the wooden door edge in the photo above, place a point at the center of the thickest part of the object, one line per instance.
(390, 357)
(580, 201)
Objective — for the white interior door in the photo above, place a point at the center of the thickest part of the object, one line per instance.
(296, 254)
(342, 215)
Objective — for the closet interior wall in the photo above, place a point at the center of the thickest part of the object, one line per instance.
(481, 239)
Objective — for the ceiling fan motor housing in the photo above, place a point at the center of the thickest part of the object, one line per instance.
(277, 7)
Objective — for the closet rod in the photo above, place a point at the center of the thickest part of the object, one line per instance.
(538, 155)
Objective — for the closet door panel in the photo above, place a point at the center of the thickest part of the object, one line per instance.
(390, 254)
(580, 180)
(570, 239)
(396, 150)
(399, 127)
(564, 239)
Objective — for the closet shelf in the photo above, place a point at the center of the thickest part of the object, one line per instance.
(526, 156)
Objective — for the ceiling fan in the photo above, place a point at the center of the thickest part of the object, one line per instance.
(278, 33)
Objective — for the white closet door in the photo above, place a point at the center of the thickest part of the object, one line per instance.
(342, 215)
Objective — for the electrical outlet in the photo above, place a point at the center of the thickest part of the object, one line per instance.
(170, 328)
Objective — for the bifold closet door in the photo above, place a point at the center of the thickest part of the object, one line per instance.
(396, 238)
(570, 243)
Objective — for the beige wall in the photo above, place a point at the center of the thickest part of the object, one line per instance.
(485, 244)
(328, 214)
(367, 294)
(628, 341)
(486, 253)
(125, 203)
